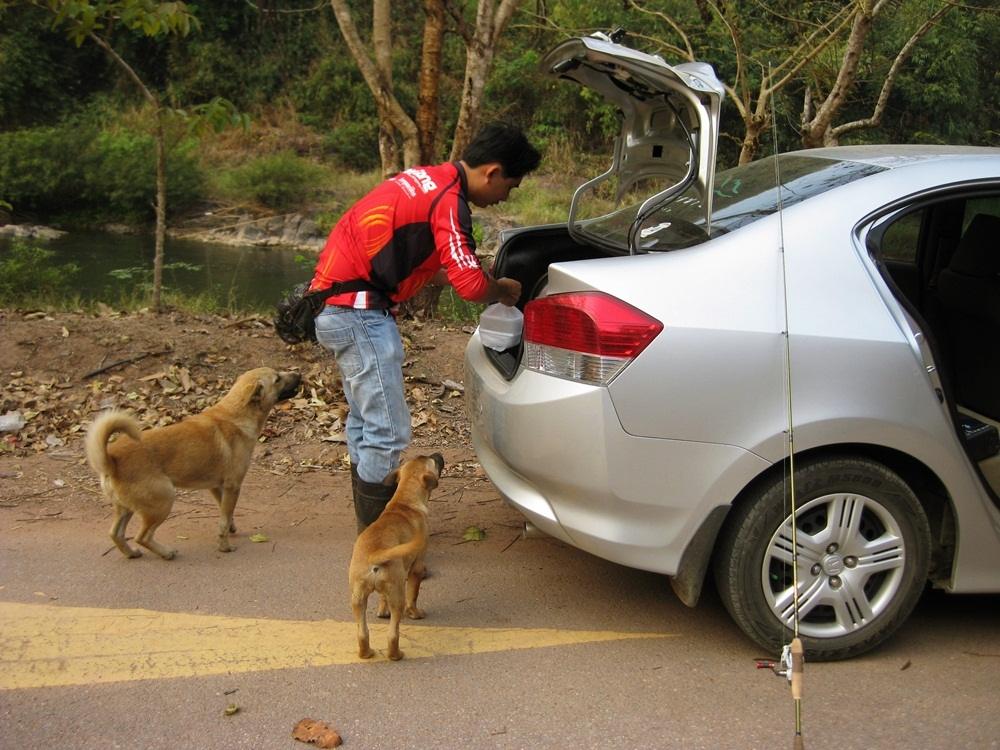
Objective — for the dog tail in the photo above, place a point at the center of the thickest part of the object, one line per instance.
(398, 552)
(106, 425)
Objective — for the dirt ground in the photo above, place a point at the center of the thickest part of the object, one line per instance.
(694, 685)
(59, 370)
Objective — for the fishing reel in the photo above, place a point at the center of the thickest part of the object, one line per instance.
(789, 664)
(782, 667)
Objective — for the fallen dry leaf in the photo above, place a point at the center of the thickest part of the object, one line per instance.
(474, 534)
(317, 733)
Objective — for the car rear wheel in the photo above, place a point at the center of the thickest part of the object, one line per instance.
(863, 545)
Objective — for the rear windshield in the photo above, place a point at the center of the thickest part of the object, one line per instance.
(742, 195)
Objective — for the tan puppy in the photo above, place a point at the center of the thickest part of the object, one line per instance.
(141, 471)
(389, 555)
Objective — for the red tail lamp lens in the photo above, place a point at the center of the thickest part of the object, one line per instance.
(591, 323)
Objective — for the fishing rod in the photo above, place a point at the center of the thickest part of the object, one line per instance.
(792, 660)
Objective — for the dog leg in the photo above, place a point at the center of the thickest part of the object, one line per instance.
(396, 599)
(145, 536)
(383, 608)
(227, 504)
(359, 605)
(122, 517)
(217, 494)
(413, 579)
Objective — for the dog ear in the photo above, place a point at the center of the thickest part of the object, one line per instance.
(392, 478)
(429, 480)
(439, 460)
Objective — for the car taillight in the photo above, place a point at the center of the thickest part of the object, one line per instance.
(584, 336)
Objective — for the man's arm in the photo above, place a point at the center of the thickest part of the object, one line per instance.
(505, 290)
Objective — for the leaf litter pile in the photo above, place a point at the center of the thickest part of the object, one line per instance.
(59, 370)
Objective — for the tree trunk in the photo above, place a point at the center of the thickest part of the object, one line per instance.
(385, 101)
(430, 80)
(754, 126)
(478, 63)
(816, 131)
(424, 304)
(161, 211)
(382, 47)
(160, 139)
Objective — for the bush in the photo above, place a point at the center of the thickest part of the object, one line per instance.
(40, 168)
(355, 144)
(27, 274)
(76, 169)
(279, 181)
(120, 173)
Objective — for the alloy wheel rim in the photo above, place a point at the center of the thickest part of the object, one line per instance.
(851, 560)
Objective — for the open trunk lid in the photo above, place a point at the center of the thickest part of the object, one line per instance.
(668, 139)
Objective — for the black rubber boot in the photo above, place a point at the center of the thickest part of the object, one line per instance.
(370, 499)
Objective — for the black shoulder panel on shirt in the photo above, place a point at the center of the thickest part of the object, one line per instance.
(411, 245)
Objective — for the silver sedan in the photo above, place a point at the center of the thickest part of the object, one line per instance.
(819, 332)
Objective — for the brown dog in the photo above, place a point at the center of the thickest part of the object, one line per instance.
(389, 555)
(141, 471)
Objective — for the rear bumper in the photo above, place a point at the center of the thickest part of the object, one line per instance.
(556, 451)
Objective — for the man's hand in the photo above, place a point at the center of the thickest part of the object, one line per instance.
(508, 291)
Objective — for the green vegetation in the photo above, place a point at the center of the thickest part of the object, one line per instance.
(453, 309)
(76, 173)
(28, 276)
(280, 181)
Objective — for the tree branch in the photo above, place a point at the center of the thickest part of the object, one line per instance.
(461, 25)
(890, 79)
(661, 45)
(860, 29)
(129, 70)
(743, 100)
(798, 59)
(503, 15)
(689, 51)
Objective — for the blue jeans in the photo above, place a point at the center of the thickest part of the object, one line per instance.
(369, 353)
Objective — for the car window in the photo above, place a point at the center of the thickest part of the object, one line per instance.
(743, 194)
(985, 205)
(899, 243)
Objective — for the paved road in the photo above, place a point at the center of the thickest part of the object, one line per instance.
(527, 644)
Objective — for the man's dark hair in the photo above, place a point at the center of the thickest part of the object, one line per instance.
(504, 143)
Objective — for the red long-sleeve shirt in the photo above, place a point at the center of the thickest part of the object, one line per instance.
(399, 235)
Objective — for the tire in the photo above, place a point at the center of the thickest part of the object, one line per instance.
(864, 553)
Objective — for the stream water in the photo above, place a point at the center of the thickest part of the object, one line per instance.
(242, 277)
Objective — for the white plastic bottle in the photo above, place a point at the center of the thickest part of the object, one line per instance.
(500, 326)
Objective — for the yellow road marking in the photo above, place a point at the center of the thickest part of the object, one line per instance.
(42, 645)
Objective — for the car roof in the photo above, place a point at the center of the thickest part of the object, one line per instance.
(897, 155)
